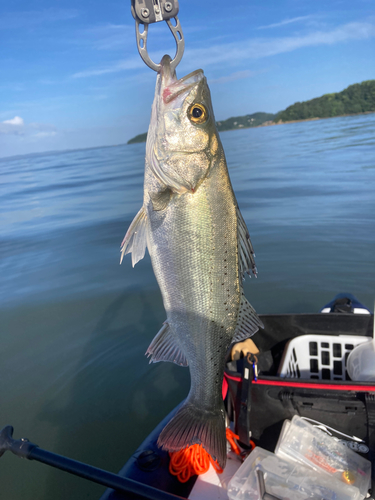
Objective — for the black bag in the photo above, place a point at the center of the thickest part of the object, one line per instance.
(258, 404)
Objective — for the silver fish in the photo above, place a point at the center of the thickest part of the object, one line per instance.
(200, 249)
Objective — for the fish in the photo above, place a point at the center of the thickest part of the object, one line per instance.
(200, 250)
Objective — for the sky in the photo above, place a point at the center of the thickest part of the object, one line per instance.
(71, 76)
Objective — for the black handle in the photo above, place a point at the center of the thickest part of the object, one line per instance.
(24, 449)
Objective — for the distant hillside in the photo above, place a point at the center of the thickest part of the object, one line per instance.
(138, 138)
(246, 121)
(357, 98)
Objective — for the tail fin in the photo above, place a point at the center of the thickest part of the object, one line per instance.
(193, 425)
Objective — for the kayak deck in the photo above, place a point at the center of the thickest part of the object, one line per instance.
(149, 464)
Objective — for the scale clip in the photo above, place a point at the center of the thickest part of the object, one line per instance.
(153, 11)
(146, 12)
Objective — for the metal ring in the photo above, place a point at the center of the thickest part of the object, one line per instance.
(178, 36)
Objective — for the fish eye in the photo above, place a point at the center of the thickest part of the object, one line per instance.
(197, 113)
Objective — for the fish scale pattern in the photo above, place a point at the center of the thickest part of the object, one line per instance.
(199, 247)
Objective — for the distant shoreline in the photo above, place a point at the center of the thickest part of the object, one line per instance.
(357, 99)
(141, 138)
(280, 122)
(266, 124)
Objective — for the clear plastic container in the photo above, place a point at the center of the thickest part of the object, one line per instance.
(361, 362)
(302, 442)
(264, 472)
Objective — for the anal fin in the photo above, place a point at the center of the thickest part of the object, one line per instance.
(248, 321)
(135, 240)
(164, 347)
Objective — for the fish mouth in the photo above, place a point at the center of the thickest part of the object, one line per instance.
(171, 87)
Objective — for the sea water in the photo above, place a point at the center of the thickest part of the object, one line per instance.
(74, 324)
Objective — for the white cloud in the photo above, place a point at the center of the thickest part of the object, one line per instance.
(252, 48)
(34, 131)
(17, 120)
(108, 37)
(238, 75)
(285, 21)
(258, 48)
(127, 64)
(13, 126)
(22, 19)
(52, 133)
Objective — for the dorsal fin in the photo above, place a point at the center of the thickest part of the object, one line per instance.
(245, 248)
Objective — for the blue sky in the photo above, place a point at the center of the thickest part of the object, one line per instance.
(71, 76)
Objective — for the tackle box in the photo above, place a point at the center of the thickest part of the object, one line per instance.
(265, 475)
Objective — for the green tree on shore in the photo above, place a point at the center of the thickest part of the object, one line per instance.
(357, 98)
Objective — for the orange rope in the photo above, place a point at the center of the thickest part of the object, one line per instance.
(194, 460)
(231, 436)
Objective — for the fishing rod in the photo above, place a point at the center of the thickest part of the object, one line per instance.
(23, 448)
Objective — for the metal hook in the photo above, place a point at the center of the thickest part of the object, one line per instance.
(142, 44)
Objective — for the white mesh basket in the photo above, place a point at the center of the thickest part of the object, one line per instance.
(321, 357)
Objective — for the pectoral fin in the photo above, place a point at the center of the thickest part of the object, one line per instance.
(248, 321)
(245, 248)
(135, 240)
(161, 199)
(164, 347)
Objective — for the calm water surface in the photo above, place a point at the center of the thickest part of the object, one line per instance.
(74, 325)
